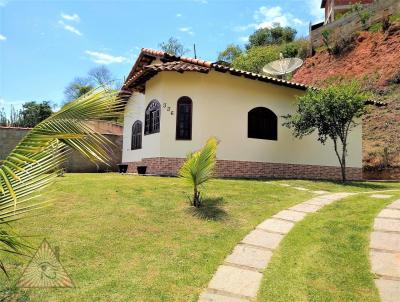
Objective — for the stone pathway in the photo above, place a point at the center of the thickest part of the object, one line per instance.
(385, 252)
(239, 277)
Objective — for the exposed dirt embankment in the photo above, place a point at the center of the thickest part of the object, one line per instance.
(375, 56)
(373, 59)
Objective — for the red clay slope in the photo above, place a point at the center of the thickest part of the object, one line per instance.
(375, 55)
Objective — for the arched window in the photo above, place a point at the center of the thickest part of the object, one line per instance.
(184, 119)
(262, 123)
(152, 118)
(136, 142)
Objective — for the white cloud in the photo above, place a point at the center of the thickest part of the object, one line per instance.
(315, 10)
(70, 28)
(104, 58)
(2, 38)
(178, 15)
(187, 30)
(268, 16)
(244, 39)
(73, 17)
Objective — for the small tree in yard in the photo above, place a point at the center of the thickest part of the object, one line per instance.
(333, 112)
(199, 168)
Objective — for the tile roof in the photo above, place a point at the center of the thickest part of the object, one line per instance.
(143, 70)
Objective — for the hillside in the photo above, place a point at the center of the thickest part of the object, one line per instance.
(373, 59)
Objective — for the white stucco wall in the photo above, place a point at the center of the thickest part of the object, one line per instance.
(220, 106)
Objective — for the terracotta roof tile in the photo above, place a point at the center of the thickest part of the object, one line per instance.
(144, 70)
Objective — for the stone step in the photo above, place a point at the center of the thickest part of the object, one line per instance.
(263, 239)
(236, 281)
(249, 256)
(276, 225)
(385, 241)
(290, 215)
(385, 264)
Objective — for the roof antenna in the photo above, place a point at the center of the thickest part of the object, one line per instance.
(194, 50)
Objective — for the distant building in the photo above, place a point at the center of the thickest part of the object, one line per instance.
(333, 8)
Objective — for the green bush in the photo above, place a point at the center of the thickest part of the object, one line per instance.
(298, 48)
(256, 57)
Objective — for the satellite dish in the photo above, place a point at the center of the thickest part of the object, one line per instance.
(283, 66)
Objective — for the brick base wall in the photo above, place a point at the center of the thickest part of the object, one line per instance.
(244, 169)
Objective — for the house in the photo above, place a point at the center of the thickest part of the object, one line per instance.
(334, 8)
(177, 103)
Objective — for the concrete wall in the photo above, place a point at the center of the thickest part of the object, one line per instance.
(221, 103)
(10, 137)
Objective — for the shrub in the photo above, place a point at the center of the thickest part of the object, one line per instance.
(199, 168)
(326, 38)
(343, 45)
(395, 79)
(256, 57)
(298, 48)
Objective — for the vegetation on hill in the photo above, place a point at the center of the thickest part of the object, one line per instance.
(372, 57)
(265, 46)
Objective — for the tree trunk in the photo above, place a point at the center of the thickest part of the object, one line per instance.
(196, 197)
(343, 163)
(341, 158)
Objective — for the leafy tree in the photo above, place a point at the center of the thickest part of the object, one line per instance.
(256, 57)
(173, 47)
(231, 52)
(270, 36)
(199, 168)
(333, 112)
(34, 163)
(33, 113)
(77, 88)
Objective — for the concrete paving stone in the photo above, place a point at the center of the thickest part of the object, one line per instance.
(263, 239)
(276, 225)
(395, 205)
(381, 196)
(386, 264)
(319, 201)
(301, 189)
(290, 215)
(304, 207)
(390, 213)
(249, 256)
(389, 290)
(384, 224)
(213, 297)
(237, 281)
(385, 241)
(320, 192)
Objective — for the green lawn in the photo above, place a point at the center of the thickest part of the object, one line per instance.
(325, 256)
(135, 238)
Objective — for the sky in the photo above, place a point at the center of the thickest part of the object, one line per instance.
(44, 45)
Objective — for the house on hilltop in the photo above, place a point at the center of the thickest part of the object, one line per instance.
(335, 7)
(177, 103)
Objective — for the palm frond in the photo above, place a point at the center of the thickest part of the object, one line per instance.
(35, 161)
(199, 166)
